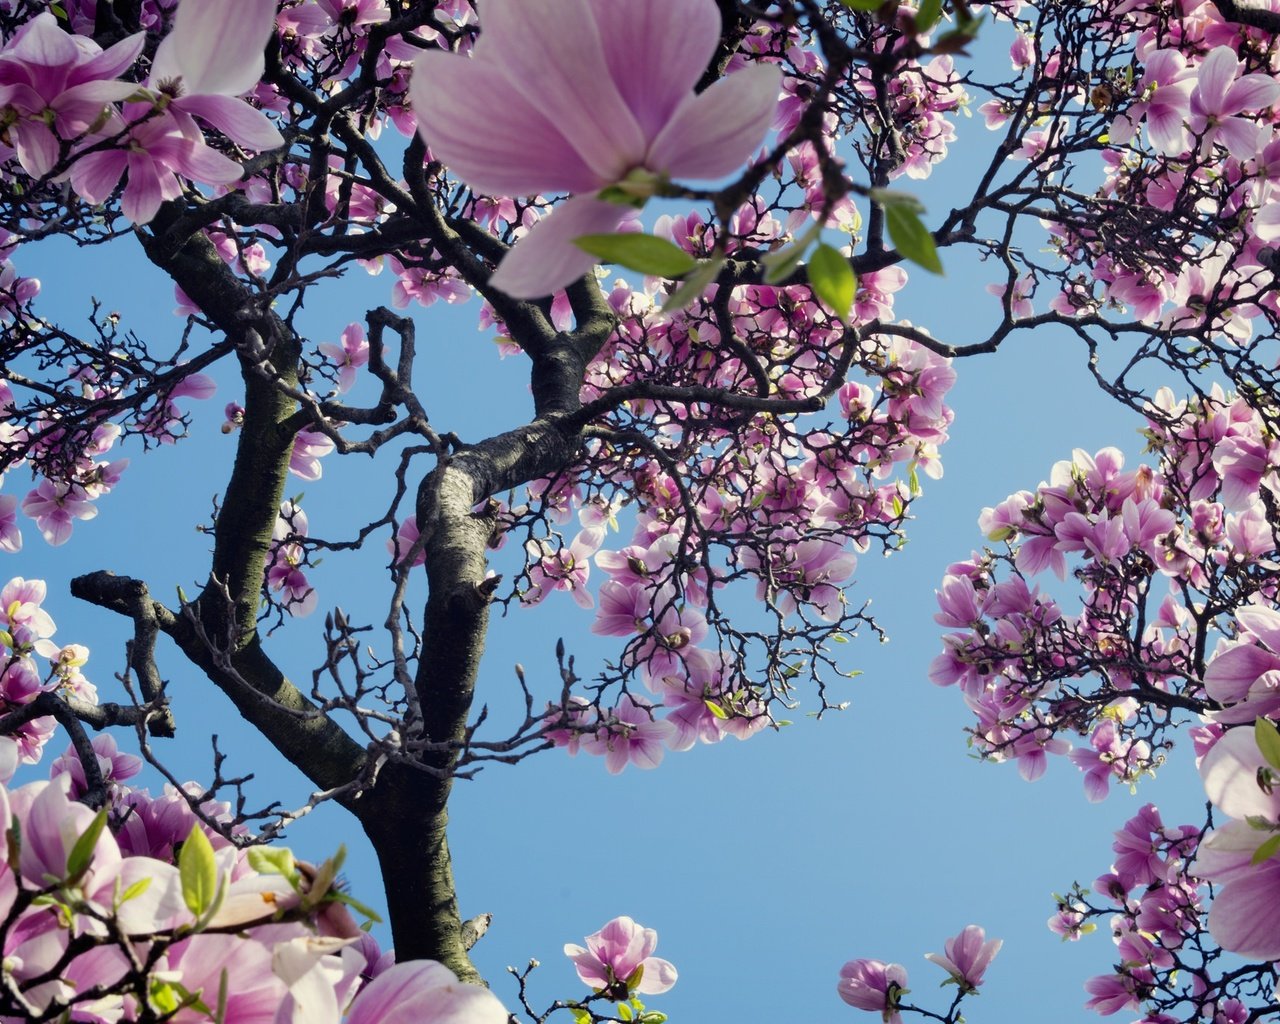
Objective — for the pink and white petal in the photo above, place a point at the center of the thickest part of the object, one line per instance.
(83, 105)
(111, 61)
(1216, 73)
(1264, 623)
(36, 146)
(546, 259)
(216, 47)
(518, 153)
(144, 193)
(713, 133)
(198, 162)
(1245, 916)
(1240, 136)
(1166, 130)
(1252, 92)
(238, 121)
(1266, 223)
(1230, 775)
(659, 976)
(95, 175)
(653, 66)
(552, 53)
(42, 42)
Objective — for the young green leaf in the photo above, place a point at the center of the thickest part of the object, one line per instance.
(81, 855)
(1267, 736)
(779, 264)
(927, 15)
(694, 284)
(198, 872)
(911, 238)
(1266, 851)
(272, 860)
(645, 254)
(832, 280)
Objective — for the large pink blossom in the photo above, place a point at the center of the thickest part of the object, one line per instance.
(579, 95)
(425, 992)
(615, 953)
(1245, 915)
(873, 985)
(967, 957)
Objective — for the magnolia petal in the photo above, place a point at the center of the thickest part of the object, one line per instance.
(216, 47)
(552, 52)
(1166, 130)
(238, 121)
(518, 153)
(1251, 92)
(112, 61)
(654, 67)
(95, 175)
(546, 259)
(145, 191)
(423, 990)
(659, 975)
(713, 133)
(1262, 622)
(1230, 775)
(36, 147)
(41, 41)
(1215, 75)
(198, 162)
(1245, 916)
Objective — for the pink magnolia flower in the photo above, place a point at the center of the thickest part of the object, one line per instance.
(425, 992)
(629, 733)
(1221, 95)
(967, 957)
(348, 356)
(1245, 915)
(580, 95)
(615, 953)
(213, 55)
(873, 985)
(51, 79)
(1244, 675)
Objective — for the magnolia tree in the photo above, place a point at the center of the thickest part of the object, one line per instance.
(711, 442)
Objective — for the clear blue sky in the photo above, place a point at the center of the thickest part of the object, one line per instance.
(763, 865)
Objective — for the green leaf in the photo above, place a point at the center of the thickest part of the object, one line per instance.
(832, 280)
(81, 855)
(1267, 737)
(653, 1017)
(779, 264)
(927, 15)
(913, 480)
(580, 1016)
(910, 237)
(134, 891)
(273, 860)
(348, 900)
(694, 284)
(624, 1011)
(864, 5)
(716, 710)
(1266, 851)
(634, 979)
(198, 871)
(645, 254)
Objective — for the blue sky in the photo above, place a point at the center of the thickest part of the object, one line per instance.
(763, 865)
